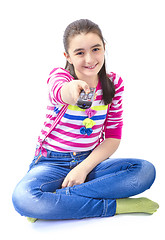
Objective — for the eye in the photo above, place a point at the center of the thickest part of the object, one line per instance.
(96, 49)
(79, 53)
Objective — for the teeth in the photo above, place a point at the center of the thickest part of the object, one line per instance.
(91, 67)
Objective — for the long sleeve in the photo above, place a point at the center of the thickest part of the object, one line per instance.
(57, 78)
(114, 119)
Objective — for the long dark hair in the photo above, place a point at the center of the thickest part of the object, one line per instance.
(87, 26)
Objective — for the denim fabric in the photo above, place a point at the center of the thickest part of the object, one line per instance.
(112, 179)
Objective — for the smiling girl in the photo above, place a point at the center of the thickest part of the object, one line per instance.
(72, 174)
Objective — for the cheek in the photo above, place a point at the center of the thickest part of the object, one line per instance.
(101, 60)
(101, 57)
(78, 62)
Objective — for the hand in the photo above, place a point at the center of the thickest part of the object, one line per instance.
(70, 91)
(75, 177)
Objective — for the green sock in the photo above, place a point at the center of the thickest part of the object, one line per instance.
(136, 205)
(32, 220)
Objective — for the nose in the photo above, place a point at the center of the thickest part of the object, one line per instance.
(88, 58)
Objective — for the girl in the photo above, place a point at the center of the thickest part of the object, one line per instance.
(72, 174)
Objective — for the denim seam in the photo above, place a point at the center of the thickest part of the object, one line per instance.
(68, 191)
(113, 165)
(50, 182)
(105, 207)
(63, 156)
(97, 180)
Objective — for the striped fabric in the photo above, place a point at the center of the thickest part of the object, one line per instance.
(79, 129)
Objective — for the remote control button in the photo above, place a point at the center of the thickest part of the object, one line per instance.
(90, 95)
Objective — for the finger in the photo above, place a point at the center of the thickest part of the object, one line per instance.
(65, 183)
(75, 97)
(87, 89)
(85, 86)
(70, 184)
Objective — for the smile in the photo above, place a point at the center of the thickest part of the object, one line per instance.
(92, 67)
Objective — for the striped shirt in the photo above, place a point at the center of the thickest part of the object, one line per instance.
(79, 129)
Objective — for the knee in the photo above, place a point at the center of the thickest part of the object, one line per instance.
(22, 199)
(17, 199)
(149, 173)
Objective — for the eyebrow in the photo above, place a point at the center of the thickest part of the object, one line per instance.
(80, 49)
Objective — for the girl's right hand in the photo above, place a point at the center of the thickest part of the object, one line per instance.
(70, 91)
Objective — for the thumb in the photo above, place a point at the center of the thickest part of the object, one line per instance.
(87, 89)
(64, 184)
(84, 86)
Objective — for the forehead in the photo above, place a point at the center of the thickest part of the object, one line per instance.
(84, 41)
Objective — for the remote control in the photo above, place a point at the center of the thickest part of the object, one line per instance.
(85, 100)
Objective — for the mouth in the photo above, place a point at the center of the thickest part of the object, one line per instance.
(91, 67)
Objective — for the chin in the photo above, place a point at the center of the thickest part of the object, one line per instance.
(88, 75)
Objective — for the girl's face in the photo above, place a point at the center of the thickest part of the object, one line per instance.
(86, 53)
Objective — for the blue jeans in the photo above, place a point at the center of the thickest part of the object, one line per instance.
(112, 179)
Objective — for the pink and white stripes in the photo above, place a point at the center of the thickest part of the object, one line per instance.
(66, 136)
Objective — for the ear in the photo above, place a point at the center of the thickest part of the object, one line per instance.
(68, 57)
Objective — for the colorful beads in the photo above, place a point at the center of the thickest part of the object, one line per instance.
(88, 123)
(87, 131)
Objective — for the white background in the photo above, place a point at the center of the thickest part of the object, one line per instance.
(30, 47)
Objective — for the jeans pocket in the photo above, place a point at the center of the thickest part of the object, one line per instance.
(35, 161)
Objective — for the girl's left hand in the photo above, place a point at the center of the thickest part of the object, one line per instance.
(76, 176)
